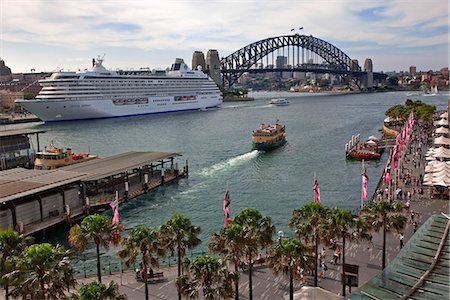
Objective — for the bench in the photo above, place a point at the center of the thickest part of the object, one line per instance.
(259, 261)
(150, 277)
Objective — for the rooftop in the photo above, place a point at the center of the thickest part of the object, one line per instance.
(116, 164)
(15, 132)
(421, 269)
(17, 183)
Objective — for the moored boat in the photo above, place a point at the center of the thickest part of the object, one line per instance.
(268, 137)
(369, 149)
(279, 101)
(53, 157)
(100, 93)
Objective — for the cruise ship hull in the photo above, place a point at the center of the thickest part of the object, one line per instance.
(69, 110)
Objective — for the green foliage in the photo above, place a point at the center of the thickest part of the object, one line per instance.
(146, 242)
(209, 274)
(100, 230)
(42, 272)
(422, 110)
(28, 95)
(99, 291)
(393, 81)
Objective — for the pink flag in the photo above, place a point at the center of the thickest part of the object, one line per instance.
(115, 208)
(226, 207)
(115, 219)
(365, 183)
(316, 189)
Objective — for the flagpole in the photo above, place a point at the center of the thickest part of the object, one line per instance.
(362, 184)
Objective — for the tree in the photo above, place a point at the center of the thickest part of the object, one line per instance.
(179, 233)
(100, 230)
(286, 256)
(11, 245)
(230, 243)
(346, 226)
(385, 215)
(209, 274)
(99, 291)
(43, 272)
(258, 232)
(144, 241)
(310, 222)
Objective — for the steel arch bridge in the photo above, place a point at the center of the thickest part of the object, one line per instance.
(241, 61)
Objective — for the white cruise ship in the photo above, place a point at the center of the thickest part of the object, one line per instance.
(100, 93)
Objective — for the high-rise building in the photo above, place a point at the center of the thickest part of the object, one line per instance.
(412, 70)
(281, 62)
(198, 59)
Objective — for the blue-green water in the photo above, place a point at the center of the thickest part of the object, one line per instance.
(217, 144)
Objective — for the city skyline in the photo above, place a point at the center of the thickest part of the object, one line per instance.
(53, 34)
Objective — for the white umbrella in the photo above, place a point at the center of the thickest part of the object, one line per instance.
(441, 122)
(441, 183)
(429, 183)
(442, 130)
(442, 141)
(444, 115)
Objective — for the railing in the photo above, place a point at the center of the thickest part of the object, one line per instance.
(87, 266)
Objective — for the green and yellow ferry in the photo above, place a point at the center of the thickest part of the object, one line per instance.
(268, 137)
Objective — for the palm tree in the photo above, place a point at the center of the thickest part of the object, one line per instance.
(258, 232)
(179, 233)
(284, 258)
(100, 230)
(310, 222)
(209, 274)
(230, 243)
(43, 272)
(144, 241)
(99, 291)
(343, 225)
(11, 245)
(386, 215)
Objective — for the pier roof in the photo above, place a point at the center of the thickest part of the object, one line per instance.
(420, 270)
(15, 132)
(116, 164)
(17, 183)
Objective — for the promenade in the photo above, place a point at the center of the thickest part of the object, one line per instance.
(366, 256)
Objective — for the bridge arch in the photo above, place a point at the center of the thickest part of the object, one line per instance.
(239, 62)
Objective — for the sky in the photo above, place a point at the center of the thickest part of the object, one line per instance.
(48, 35)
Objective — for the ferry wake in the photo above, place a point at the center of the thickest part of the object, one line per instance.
(100, 93)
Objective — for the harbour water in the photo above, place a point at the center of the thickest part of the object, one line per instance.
(217, 144)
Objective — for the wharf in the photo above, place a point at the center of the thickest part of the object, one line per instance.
(34, 200)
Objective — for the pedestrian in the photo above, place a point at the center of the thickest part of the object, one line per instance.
(408, 205)
(413, 214)
(336, 256)
(402, 237)
(323, 269)
(414, 226)
(370, 242)
(322, 254)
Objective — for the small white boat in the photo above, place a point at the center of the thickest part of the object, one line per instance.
(279, 101)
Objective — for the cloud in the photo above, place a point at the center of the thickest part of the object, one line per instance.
(226, 25)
